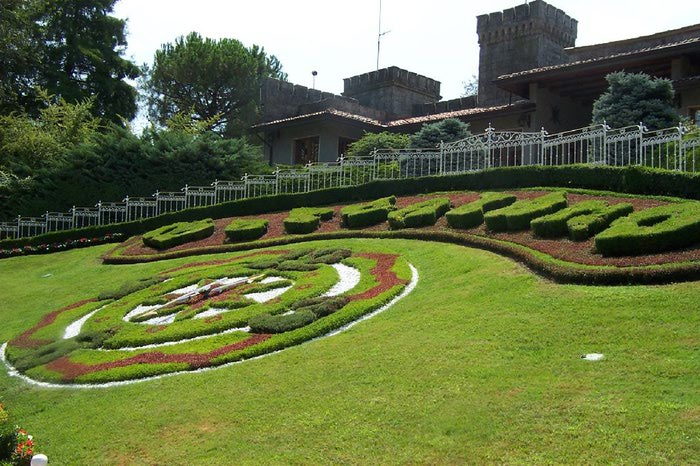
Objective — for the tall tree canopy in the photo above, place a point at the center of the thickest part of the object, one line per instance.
(216, 80)
(19, 59)
(71, 48)
(634, 98)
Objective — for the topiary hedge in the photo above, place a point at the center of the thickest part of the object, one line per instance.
(519, 215)
(472, 215)
(178, 233)
(584, 226)
(368, 214)
(633, 180)
(246, 229)
(420, 214)
(554, 225)
(652, 230)
(304, 220)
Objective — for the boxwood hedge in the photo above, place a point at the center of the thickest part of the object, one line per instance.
(554, 225)
(518, 216)
(633, 180)
(178, 233)
(472, 214)
(246, 229)
(658, 229)
(367, 214)
(584, 226)
(304, 220)
(420, 214)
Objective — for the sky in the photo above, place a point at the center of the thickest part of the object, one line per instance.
(435, 38)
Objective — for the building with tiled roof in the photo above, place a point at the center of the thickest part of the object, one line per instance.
(530, 76)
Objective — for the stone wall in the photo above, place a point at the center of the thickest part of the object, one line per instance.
(528, 36)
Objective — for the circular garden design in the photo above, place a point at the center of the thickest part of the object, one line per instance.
(207, 314)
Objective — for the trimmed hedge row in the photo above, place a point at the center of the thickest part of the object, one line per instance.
(472, 214)
(304, 220)
(246, 229)
(652, 230)
(367, 214)
(584, 226)
(178, 233)
(420, 214)
(633, 180)
(554, 225)
(519, 215)
(557, 270)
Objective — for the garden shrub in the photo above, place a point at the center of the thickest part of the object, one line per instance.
(554, 225)
(179, 233)
(584, 226)
(649, 231)
(472, 214)
(246, 229)
(518, 216)
(420, 214)
(304, 220)
(633, 180)
(129, 287)
(367, 214)
(267, 323)
(8, 435)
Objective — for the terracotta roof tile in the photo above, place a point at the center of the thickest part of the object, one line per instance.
(330, 111)
(394, 123)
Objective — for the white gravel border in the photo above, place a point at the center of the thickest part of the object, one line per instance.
(12, 372)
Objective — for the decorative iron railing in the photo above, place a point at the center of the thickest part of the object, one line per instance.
(671, 149)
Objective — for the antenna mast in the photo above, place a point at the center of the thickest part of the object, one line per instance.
(379, 32)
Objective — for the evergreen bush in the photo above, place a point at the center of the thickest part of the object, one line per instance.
(246, 229)
(179, 233)
(472, 214)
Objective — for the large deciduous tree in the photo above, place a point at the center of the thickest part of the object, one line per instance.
(633, 98)
(216, 80)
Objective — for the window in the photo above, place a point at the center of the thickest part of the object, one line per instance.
(697, 117)
(305, 150)
(343, 144)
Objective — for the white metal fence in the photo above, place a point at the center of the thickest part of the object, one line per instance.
(671, 149)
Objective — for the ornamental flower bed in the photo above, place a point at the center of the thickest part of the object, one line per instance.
(202, 315)
(62, 246)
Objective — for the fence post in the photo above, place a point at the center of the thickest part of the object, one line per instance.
(19, 228)
(442, 158)
(681, 162)
(639, 154)
(489, 130)
(543, 134)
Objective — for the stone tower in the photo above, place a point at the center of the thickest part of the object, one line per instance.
(392, 90)
(528, 36)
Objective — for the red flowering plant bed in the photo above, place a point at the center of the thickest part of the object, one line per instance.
(62, 246)
(203, 315)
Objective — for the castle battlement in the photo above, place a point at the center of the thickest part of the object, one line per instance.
(526, 19)
(392, 76)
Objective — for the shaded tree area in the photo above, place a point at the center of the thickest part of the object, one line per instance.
(116, 162)
(217, 80)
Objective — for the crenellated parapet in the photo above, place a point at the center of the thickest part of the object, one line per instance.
(527, 19)
(525, 37)
(392, 76)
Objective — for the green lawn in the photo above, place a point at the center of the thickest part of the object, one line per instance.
(479, 364)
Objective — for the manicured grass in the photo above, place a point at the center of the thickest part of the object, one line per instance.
(480, 364)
